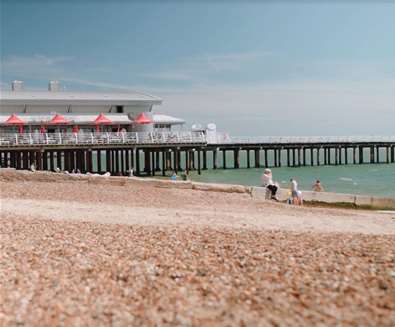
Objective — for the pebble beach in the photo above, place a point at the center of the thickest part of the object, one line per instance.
(75, 253)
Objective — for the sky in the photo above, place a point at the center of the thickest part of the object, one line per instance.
(252, 67)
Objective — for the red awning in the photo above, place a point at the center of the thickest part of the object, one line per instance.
(58, 120)
(14, 120)
(101, 119)
(143, 119)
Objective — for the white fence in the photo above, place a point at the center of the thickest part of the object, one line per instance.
(223, 138)
(185, 137)
(152, 138)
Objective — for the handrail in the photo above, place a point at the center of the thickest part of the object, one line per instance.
(133, 138)
(179, 137)
(223, 138)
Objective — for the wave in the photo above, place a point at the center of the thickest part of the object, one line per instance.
(346, 179)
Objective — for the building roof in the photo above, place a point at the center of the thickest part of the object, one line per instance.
(75, 98)
(89, 119)
(166, 119)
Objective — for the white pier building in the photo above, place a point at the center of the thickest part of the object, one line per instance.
(56, 110)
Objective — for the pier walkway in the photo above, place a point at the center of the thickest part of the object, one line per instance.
(161, 152)
(99, 139)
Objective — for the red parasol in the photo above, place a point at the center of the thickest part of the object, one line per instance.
(58, 120)
(143, 119)
(15, 120)
(102, 120)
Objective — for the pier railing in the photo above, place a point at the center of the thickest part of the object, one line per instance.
(173, 138)
(127, 138)
(222, 138)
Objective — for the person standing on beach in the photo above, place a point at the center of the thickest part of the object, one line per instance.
(294, 191)
(185, 176)
(267, 181)
(173, 177)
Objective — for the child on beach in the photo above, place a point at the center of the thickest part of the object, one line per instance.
(295, 193)
(300, 198)
(173, 177)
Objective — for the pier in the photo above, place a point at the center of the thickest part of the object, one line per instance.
(159, 153)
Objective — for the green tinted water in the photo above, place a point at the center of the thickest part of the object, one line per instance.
(378, 179)
(372, 179)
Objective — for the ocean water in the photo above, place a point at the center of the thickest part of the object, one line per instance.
(370, 179)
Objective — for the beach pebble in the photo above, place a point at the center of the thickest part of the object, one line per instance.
(65, 272)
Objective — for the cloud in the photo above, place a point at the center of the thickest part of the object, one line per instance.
(221, 62)
(37, 66)
(168, 76)
(345, 70)
(290, 108)
(201, 67)
(41, 67)
(309, 104)
(98, 84)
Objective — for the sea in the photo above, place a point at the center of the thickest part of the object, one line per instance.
(368, 179)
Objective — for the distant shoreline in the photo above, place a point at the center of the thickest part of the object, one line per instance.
(366, 180)
(320, 199)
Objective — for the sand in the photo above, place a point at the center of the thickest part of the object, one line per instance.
(74, 253)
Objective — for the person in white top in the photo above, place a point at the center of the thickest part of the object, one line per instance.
(267, 181)
(295, 193)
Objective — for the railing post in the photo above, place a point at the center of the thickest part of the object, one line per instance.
(92, 140)
(123, 137)
(76, 138)
(16, 139)
(46, 138)
(137, 137)
(108, 137)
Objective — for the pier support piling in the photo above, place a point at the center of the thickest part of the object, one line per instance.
(138, 172)
(215, 155)
(360, 155)
(204, 159)
(257, 159)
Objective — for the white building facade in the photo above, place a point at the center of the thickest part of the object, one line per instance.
(29, 111)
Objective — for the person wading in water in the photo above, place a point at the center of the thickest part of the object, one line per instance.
(317, 187)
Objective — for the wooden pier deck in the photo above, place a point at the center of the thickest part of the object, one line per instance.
(160, 153)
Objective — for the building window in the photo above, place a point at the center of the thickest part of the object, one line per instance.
(162, 126)
(119, 109)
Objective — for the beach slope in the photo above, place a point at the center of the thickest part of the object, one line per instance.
(76, 252)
